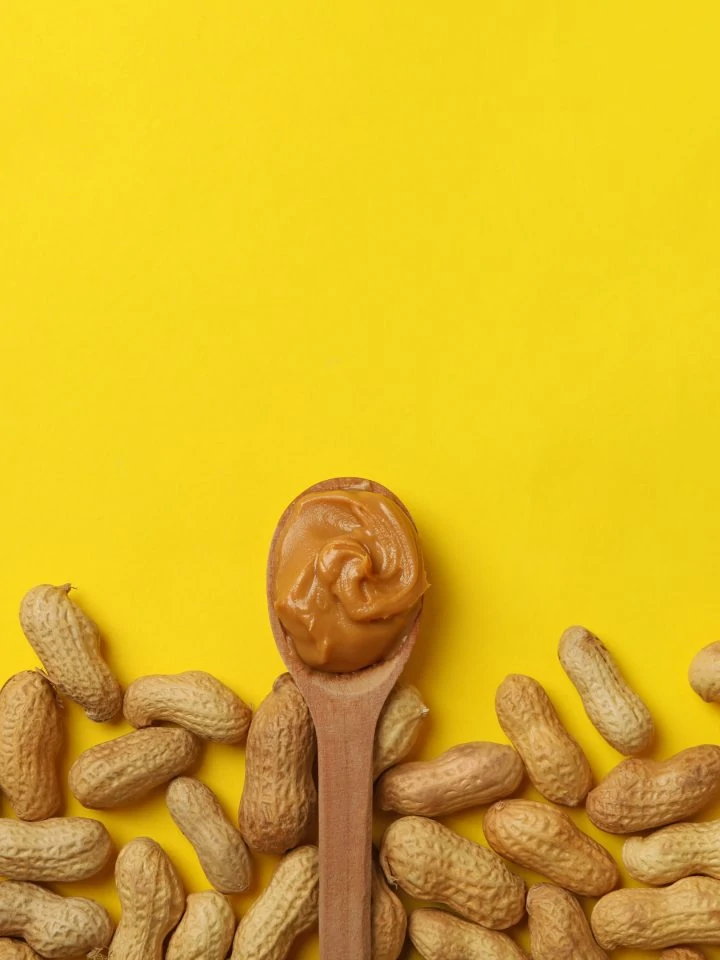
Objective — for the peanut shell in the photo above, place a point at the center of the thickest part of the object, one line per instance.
(127, 768)
(218, 844)
(688, 912)
(465, 776)
(16, 950)
(388, 918)
(704, 673)
(67, 642)
(431, 862)
(554, 761)
(541, 838)
(30, 741)
(287, 908)
(206, 929)
(279, 800)
(152, 900)
(59, 850)
(642, 794)
(558, 926)
(616, 711)
(58, 928)
(437, 935)
(678, 851)
(401, 719)
(194, 700)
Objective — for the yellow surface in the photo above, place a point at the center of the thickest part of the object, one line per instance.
(469, 250)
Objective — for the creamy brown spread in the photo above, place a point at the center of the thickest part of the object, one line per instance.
(350, 575)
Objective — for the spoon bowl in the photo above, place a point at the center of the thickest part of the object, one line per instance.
(345, 708)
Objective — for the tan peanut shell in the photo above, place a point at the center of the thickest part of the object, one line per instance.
(680, 850)
(127, 768)
(16, 950)
(219, 846)
(30, 741)
(704, 673)
(287, 908)
(59, 928)
(688, 912)
(398, 727)
(541, 838)
(279, 800)
(555, 763)
(642, 794)
(558, 926)
(616, 711)
(152, 901)
(67, 643)
(437, 935)
(389, 920)
(194, 700)
(206, 929)
(682, 953)
(59, 850)
(468, 775)
(431, 862)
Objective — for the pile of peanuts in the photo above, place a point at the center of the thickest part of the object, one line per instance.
(482, 896)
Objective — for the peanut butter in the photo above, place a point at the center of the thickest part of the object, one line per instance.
(350, 575)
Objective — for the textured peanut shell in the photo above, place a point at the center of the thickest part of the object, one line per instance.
(287, 908)
(558, 926)
(67, 643)
(680, 850)
(125, 769)
(194, 700)
(31, 737)
(60, 850)
(152, 901)
(554, 761)
(389, 920)
(616, 711)
(59, 928)
(279, 800)
(431, 862)
(437, 935)
(16, 950)
(468, 775)
(682, 953)
(541, 838)
(206, 929)
(688, 912)
(218, 844)
(642, 794)
(398, 727)
(704, 673)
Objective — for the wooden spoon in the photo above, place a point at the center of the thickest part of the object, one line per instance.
(345, 709)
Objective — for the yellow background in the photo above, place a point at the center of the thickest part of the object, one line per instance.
(468, 249)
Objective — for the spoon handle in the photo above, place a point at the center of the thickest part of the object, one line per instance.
(346, 730)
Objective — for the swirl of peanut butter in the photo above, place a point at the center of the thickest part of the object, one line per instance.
(349, 578)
